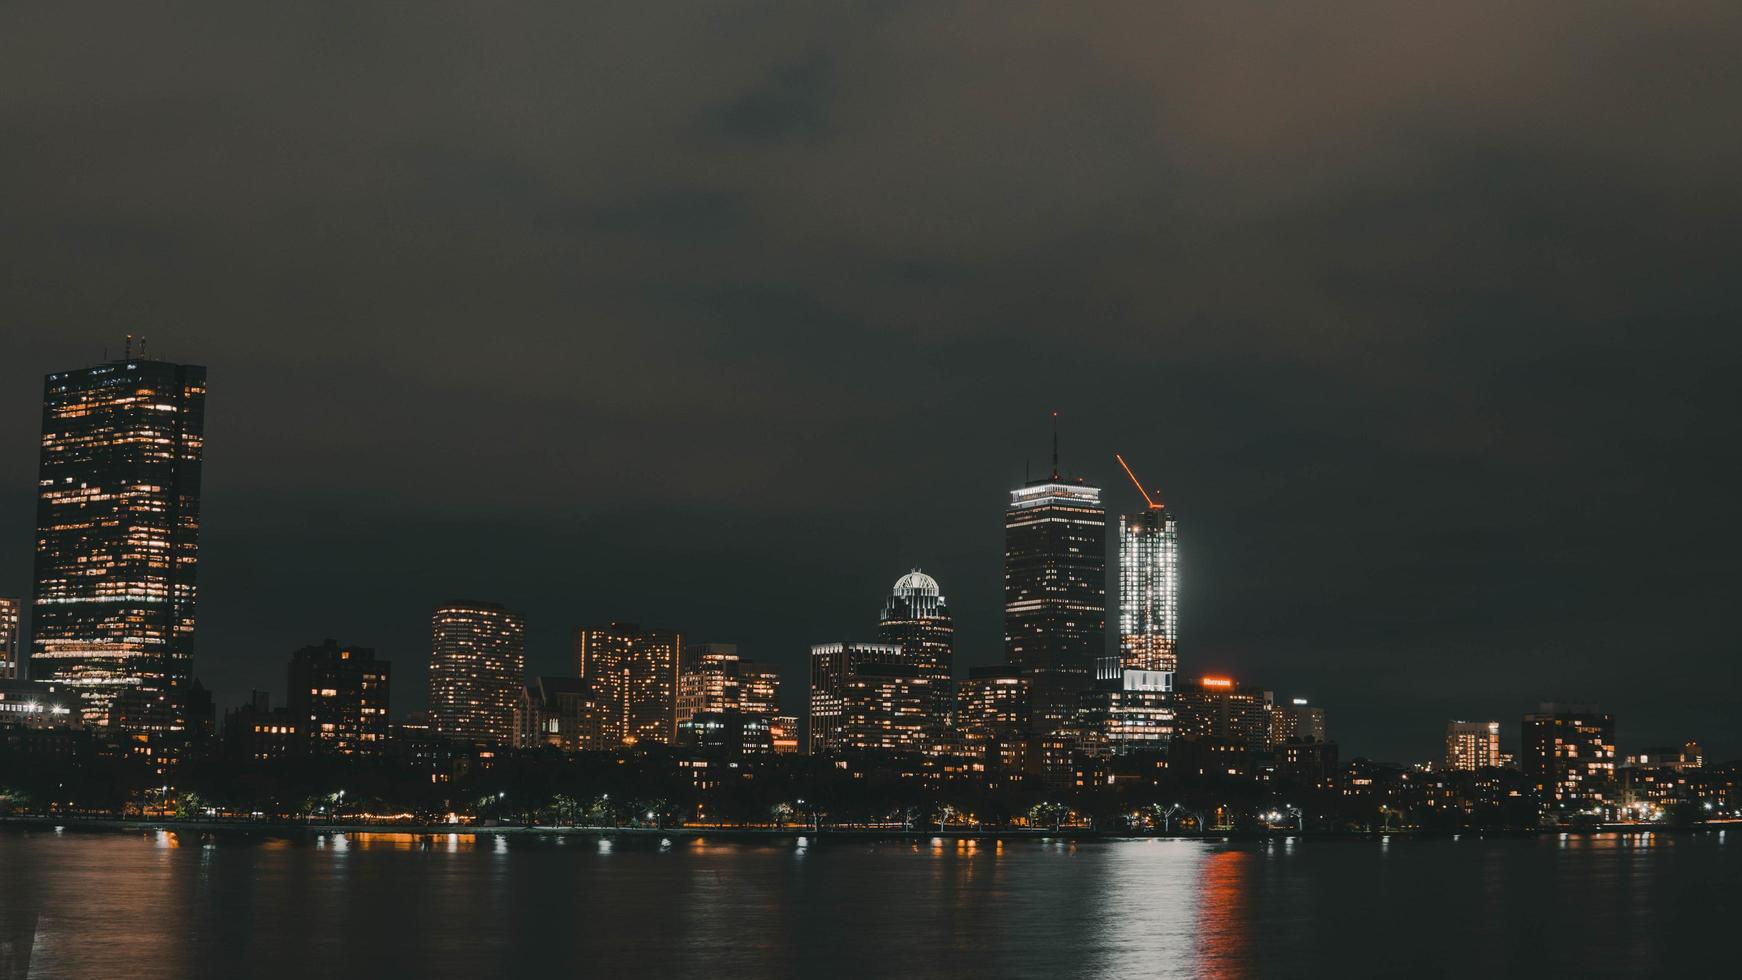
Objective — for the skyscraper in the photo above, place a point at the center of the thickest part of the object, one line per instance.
(633, 676)
(476, 671)
(1472, 745)
(1055, 576)
(917, 618)
(10, 667)
(1149, 590)
(117, 537)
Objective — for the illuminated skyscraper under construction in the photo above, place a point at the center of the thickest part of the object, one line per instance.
(477, 669)
(1148, 587)
(117, 538)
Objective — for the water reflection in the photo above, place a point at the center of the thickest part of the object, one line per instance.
(380, 904)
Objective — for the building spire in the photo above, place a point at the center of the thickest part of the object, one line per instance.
(127, 351)
(1055, 445)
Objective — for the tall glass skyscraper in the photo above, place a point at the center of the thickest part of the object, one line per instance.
(1055, 576)
(117, 537)
(477, 669)
(1149, 591)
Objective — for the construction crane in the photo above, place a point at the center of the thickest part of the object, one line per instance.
(1153, 503)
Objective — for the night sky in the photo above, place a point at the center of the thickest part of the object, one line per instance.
(723, 316)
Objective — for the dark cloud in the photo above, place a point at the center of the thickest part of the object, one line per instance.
(725, 317)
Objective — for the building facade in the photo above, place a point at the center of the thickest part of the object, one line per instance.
(832, 666)
(1055, 577)
(1149, 592)
(338, 696)
(1218, 708)
(117, 538)
(258, 732)
(1297, 721)
(559, 712)
(1472, 745)
(633, 676)
(476, 671)
(916, 617)
(888, 708)
(11, 665)
(1568, 753)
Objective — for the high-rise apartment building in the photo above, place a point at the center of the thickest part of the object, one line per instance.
(11, 667)
(1569, 754)
(1472, 745)
(476, 671)
(117, 538)
(832, 666)
(633, 675)
(338, 697)
(992, 716)
(889, 708)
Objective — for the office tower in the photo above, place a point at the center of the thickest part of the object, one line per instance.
(1132, 712)
(832, 666)
(917, 618)
(1218, 708)
(1148, 586)
(476, 670)
(1569, 756)
(11, 668)
(338, 696)
(1055, 588)
(117, 538)
(1297, 721)
(1472, 745)
(633, 676)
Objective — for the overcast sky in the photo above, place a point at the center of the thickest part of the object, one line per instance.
(723, 316)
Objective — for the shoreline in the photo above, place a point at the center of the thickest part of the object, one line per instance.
(311, 830)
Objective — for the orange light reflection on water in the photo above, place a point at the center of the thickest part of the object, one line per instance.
(1223, 945)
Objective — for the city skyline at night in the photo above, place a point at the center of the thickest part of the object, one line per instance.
(1055, 613)
(955, 489)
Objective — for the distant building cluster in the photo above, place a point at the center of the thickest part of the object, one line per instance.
(112, 630)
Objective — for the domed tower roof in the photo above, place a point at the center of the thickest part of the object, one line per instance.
(916, 582)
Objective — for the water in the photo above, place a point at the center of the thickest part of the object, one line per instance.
(152, 904)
